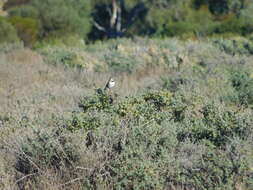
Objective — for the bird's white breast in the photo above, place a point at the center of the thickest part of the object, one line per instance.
(111, 84)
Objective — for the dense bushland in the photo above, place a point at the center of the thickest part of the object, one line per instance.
(180, 116)
(55, 21)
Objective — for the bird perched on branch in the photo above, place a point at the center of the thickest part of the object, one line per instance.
(110, 84)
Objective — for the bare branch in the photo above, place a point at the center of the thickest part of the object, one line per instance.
(71, 181)
(22, 178)
(99, 27)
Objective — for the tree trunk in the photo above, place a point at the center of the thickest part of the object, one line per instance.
(114, 14)
(118, 24)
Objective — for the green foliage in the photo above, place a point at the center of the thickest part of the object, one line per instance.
(60, 17)
(84, 121)
(218, 169)
(45, 150)
(235, 46)
(54, 18)
(121, 63)
(216, 126)
(222, 7)
(8, 33)
(187, 19)
(138, 174)
(143, 154)
(62, 56)
(147, 107)
(101, 101)
(24, 11)
(196, 23)
(27, 29)
(236, 25)
(243, 84)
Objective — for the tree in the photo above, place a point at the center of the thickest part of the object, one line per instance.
(54, 17)
(115, 17)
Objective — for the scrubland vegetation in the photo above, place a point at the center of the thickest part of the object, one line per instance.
(179, 118)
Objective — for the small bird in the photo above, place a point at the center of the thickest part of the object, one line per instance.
(109, 84)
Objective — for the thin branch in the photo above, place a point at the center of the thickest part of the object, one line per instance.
(22, 178)
(71, 181)
(82, 168)
(99, 27)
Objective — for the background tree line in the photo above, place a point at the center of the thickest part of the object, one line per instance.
(35, 20)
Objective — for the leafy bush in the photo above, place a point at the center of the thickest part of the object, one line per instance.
(234, 25)
(27, 29)
(218, 169)
(143, 151)
(53, 18)
(101, 101)
(46, 150)
(148, 107)
(8, 33)
(197, 23)
(243, 84)
(121, 63)
(216, 126)
(62, 56)
(235, 46)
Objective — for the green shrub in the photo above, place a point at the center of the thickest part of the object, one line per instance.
(27, 29)
(217, 125)
(137, 174)
(234, 25)
(151, 106)
(197, 23)
(173, 83)
(144, 152)
(47, 149)
(85, 121)
(235, 46)
(218, 169)
(243, 84)
(121, 63)
(69, 40)
(100, 102)
(62, 56)
(8, 33)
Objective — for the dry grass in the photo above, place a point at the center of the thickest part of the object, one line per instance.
(31, 88)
